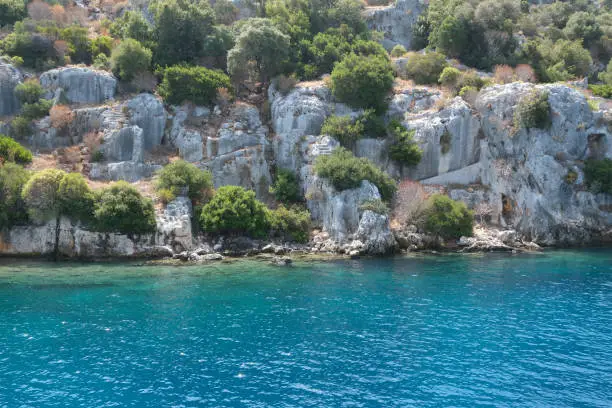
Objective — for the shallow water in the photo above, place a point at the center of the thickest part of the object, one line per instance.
(481, 330)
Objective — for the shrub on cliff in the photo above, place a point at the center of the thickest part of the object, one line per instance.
(345, 171)
(448, 218)
(198, 85)
(29, 91)
(424, 68)
(598, 174)
(286, 187)
(362, 81)
(290, 223)
(129, 59)
(76, 198)
(404, 149)
(533, 111)
(181, 176)
(41, 195)
(121, 208)
(234, 210)
(12, 208)
(11, 151)
(344, 129)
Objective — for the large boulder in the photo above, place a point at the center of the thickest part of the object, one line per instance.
(174, 225)
(395, 21)
(147, 112)
(10, 77)
(79, 85)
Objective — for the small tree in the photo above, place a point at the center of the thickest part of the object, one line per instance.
(404, 149)
(12, 208)
(41, 195)
(198, 85)
(286, 187)
(121, 208)
(129, 59)
(182, 177)
(449, 77)
(11, 151)
(29, 91)
(76, 199)
(234, 210)
(293, 223)
(448, 218)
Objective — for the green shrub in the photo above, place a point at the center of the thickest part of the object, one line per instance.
(11, 151)
(533, 111)
(101, 61)
(97, 156)
(121, 208)
(129, 59)
(404, 149)
(198, 85)
(286, 187)
(345, 171)
(21, 126)
(606, 77)
(448, 218)
(424, 69)
(41, 195)
(605, 91)
(12, 208)
(33, 111)
(343, 128)
(598, 175)
(12, 11)
(102, 45)
(181, 177)
(293, 223)
(449, 77)
(29, 91)
(398, 51)
(234, 210)
(377, 206)
(362, 82)
(76, 200)
(165, 196)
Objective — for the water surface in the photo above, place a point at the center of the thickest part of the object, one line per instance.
(465, 331)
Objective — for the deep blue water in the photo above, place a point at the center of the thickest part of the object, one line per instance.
(463, 331)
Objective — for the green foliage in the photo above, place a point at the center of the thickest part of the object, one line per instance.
(293, 223)
(234, 210)
(12, 11)
(404, 149)
(425, 68)
(11, 151)
(198, 85)
(533, 111)
(76, 200)
(121, 208)
(398, 51)
(132, 24)
(566, 60)
(129, 59)
(225, 12)
(12, 208)
(346, 171)
(377, 206)
(448, 218)
(79, 44)
(286, 187)
(40, 109)
(97, 156)
(598, 175)
(21, 126)
(343, 128)
(362, 82)
(29, 91)
(606, 76)
(583, 26)
(102, 44)
(102, 62)
(260, 52)
(41, 195)
(449, 77)
(36, 49)
(181, 177)
(605, 91)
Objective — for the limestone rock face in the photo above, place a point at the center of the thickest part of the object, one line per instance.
(375, 232)
(174, 225)
(148, 113)
(10, 77)
(395, 21)
(79, 85)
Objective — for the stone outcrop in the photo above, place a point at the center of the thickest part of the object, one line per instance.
(79, 85)
(10, 77)
(395, 21)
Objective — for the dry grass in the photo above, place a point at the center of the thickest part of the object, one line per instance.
(409, 203)
(43, 162)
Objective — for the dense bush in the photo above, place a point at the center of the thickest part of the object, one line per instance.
(598, 174)
(293, 223)
(198, 85)
(398, 51)
(362, 82)
(132, 24)
(343, 128)
(129, 59)
(606, 76)
(424, 68)
(12, 11)
(29, 91)
(404, 149)
(345, 171)
(181, 177)
(449, 77)
(121, 208)
(12, 208)
(11, 151)
(533, 111)
(448, 218)
(41, 195)
(286, 187)
(76, 199)
(605, 91)
(234, 210)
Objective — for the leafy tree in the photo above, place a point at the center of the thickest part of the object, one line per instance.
(29, 91)
(286, 187)
(36, 49)
(404, 149)
(79, 44)
(293, 223)
(583, 26)
(261, 51)
(76, 200)
(425, 68)
(12, 208)
(566, 60)
(225, 12)
(362, 81)
(449, 77)
(121, 208)
(102, 44)
(343, 128)
(198, 85)
(181, 177)
(11, 151)
(132, 24)
(12, 11)
(130, 58)
(345, 171)
(421, 31)
(234, 210)
(448, 218)
(452, 38)
(41, 195)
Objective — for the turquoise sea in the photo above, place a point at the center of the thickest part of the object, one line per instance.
(448, 331)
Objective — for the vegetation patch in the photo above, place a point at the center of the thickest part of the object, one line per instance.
(448, 218)
(533, 111)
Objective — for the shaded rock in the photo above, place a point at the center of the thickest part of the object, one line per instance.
(80, 85)
(395, 21)
(10, 77)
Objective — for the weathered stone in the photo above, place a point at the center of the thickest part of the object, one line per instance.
(10, 77)
(395, 21)
(80, 85)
